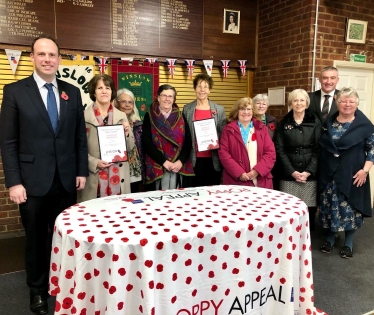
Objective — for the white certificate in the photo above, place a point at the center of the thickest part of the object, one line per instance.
(206, 134)
(112, 143)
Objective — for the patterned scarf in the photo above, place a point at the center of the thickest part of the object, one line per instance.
(168, 137)
(109, 179)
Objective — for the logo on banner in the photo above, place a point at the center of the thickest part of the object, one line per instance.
(225, 67)
(102, 63)
(190, 66)
(78, 76)
(171, 65)
(243, 66)
(13, 58)
(208, 66)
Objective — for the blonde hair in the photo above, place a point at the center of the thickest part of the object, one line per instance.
(293, 95)
(243, 102)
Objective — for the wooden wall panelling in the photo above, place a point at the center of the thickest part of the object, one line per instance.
(219, 45)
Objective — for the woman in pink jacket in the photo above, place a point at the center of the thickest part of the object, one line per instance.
(246, 150)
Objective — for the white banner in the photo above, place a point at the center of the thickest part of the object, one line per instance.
(78, 76)
(208, 66)
(13, 58)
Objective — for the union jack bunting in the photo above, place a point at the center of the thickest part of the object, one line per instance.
(171, 65)
(102, 62)
(225, 67)
(151, 60)
(208, 66)
(243, 66)
(190, 63)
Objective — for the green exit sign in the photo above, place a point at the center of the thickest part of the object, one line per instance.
(357, 58)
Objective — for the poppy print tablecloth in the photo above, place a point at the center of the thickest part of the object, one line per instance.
(200, 251)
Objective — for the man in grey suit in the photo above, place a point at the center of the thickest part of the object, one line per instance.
(45, 159)
(322, 102)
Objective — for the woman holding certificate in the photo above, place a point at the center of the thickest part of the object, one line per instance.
(205, 160)
(166, 143)
(107, 155)
(246, 150)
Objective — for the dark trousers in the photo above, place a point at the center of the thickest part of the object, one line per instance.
(38, 216)
(205, 174)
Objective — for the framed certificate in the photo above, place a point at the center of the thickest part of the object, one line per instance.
(206, 134)
(112, 143)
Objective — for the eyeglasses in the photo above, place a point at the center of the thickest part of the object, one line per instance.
(345, 103)
(245, 109)
(126, 102)
(166, 96)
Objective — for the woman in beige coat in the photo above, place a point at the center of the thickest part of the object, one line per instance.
(105, 178)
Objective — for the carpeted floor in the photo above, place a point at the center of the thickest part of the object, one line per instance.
(342, 286)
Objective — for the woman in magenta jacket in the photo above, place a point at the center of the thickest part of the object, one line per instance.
(246, 150)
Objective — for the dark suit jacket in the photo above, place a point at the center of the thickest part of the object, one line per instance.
(315, 105)
(30, 149)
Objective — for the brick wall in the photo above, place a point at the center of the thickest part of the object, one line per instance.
(285, 41)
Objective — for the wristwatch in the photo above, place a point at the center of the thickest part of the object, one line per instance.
(367, 172)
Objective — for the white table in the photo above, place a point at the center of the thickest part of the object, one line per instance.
(209, 250)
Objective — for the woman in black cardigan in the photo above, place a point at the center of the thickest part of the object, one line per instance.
(296, 144)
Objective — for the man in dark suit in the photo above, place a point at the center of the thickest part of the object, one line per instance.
(45, 157)
(329, 78)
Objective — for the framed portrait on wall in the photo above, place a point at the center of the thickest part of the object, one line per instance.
(231, 21)
(355, 31)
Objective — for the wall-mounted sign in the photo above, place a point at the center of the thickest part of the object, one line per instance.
(357, 58)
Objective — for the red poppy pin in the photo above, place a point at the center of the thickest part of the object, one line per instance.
(214, 112)
(253, 137)
(271, 126)
(64, 95)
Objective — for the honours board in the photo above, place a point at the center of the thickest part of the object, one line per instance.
(147, 27)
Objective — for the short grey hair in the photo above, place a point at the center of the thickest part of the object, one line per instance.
(293, 95)
(134, 116)
(347, 91)
(261, 97)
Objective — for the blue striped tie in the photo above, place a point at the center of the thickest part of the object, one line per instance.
(52, 106)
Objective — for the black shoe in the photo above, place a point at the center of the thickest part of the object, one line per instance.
(38, 305)
(327, 248)
(346, 252)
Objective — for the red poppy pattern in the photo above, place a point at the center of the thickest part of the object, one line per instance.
(196, 250)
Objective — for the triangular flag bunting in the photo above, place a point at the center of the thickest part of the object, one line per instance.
(171, 65)
(208, 66)
(190, 63)
(102, 62)
(151, 60)
(243, 66)
(225, 67)
(13, 58)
